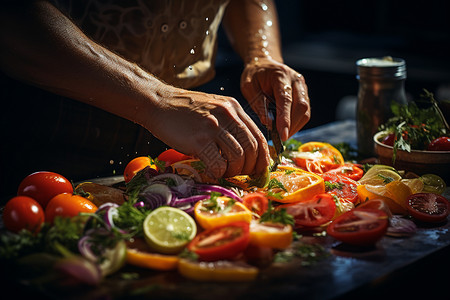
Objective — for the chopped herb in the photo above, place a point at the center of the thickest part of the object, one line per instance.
(213, 205)
(308, 253)
(275, 183)
(333, 185)
(278, 195)
(288, 172)
(199, 166)
(277, 216)
(386, 179)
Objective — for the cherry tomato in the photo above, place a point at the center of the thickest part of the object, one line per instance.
(428, 207)
(171, 156)
(341, 186)
(22, 212)
(389, 139)
(135, 165)
(67, 205)
(257, 202)
(440, 144)
(221, 242)
(43, 186)
(349, 170)
(311, 213)
(360, 226)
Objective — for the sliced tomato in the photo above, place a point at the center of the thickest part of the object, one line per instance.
(377, 204)
(171, 156)
(341, 186)
(311, 213)
(360, 226)
(271, 235)
(256, 202)
(349, 170)
(222, 242)
(428, 207)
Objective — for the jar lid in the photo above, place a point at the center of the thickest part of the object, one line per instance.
(381, 67)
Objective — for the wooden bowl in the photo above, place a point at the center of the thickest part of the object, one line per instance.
(419, 162)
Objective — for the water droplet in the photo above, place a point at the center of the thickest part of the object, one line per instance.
(265, 44)
(222, 88)
(174, 66)
(264, 6)
(207, 32)
(192, 51)
(207, 19)
(111, 162)
(269, 23)
(190, 67)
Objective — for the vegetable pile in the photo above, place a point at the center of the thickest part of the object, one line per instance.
(173, 217)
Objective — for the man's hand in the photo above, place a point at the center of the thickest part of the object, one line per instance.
(265, 80)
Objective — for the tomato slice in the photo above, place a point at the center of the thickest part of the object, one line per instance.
(256, 202)
(222, 242)
(341, 186)
(428, 207)
(376, 204)
(359, 227)
(271, 235)
(171, 156)
(349, 170)
(311, 213)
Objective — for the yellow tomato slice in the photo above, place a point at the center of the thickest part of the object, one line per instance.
(210, 218)
(294, 186)
(218, 271)
(138, 255)
(317, 157)
(272, 235)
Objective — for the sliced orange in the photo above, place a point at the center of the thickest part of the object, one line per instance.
(294, 185)
(272, 235)
(317, 157)
(217, 271)
(208, 218)
(140, 255)
(394, 194)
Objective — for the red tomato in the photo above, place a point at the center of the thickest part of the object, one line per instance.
(389, 139)
(440, 144)
(171, 156)
(311, 213)
(428, 207)
(351, 171)
(22, 212)
(257, 202)
(67, 205)
(221, 242)
(360, 226)
(341, 186)
(376, 204)
(135, 165)
(43, 186)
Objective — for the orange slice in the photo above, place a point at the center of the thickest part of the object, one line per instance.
(272, 235)
(208, 218)
(317, 157)
(394, 194)
(139, 254)
(294, 185)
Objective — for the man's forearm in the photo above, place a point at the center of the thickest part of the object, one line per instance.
(253, 29)
(44, 48)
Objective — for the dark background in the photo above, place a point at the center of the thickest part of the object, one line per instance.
(322, 39)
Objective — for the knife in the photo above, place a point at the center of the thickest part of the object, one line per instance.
(271, 114)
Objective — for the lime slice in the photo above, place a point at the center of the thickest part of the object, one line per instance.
(380, 175)
(114, 258)
(168, 229)
(433, 184)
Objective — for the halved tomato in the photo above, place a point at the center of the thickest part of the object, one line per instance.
(428, 207)
(256, 202)
(311, 213)
(341, 186)
(349, 170)
(359, 227)
(171, 156)
(317, 157)
(376, 204)
(222, 242)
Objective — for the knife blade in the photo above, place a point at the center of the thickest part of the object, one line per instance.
(274, 135)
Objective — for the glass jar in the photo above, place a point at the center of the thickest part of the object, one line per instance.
(381, 81)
